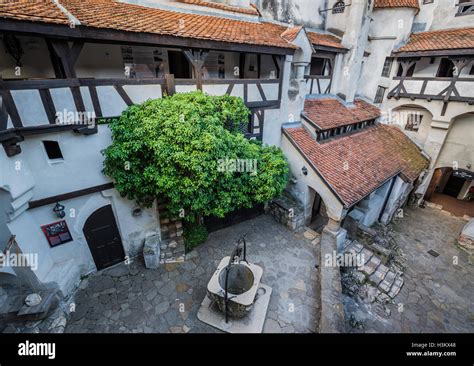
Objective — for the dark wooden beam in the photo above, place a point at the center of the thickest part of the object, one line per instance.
(67, 196)
(3, 117)
(457, 52)
(259, 65)
(197, 59)
(170, 84)
(277, 66)
(48, 105)
(95, 101)
(9, 103)
(124, 95)
(242, 57)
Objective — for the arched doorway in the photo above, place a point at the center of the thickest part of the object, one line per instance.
(103, 238)
(453, 190)
(319, 217)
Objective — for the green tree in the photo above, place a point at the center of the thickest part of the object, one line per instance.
(175, 148)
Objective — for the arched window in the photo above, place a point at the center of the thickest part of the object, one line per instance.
(338, 7)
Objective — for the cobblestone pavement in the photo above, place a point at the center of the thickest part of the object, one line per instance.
(438, 294)
(134, 299)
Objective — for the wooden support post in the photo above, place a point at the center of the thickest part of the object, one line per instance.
(197, 59)
(170, 84)
(242, 57)
(259, 65)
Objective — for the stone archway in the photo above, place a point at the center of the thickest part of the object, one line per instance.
(414, 120)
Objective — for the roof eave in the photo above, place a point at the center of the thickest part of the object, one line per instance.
(109, 35)
(430, 53)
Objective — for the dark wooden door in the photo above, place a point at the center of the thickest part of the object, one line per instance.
(103, 238)
(454, 186)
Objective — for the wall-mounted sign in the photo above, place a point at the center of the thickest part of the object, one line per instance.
(461, 173)
(57, 233)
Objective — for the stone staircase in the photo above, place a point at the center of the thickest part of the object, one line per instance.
(387, 280)
(172, 248)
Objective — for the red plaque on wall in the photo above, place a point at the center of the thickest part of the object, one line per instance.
(57, 233)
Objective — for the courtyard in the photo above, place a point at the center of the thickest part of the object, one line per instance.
(133, 299)
(438, 291)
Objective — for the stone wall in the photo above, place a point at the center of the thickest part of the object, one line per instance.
(172, 240)
(287, 212)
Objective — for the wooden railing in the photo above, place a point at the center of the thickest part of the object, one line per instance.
(315, 84)
(258, 95)
(445, 89)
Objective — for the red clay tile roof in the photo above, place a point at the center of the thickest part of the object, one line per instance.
(327, 40)
(447, 39)
(133, 18)
(330, 113)
(290, 34)
(36, 11)
(355, 165)
(396, 4)
(235, 9)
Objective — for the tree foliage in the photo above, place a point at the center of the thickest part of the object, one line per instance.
(171, 148)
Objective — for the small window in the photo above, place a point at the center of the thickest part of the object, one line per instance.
(471, 72)
(446, 68)
(380, 94)
(432, 60)
(338, 7)
(320, 66)
(413, 121)
(53, 150)
(428, 2)
(410, 71)
(465, 7)
(387, 67)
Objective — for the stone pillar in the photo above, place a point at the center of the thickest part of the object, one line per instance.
(332, 308)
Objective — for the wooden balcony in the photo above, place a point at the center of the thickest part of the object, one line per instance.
(444, 89)
(30, 107)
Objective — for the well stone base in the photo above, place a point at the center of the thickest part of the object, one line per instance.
(209, 313)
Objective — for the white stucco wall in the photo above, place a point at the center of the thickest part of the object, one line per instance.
(442, 14)
(334, 207)
(459, 144)
(80, 169)
(388, 28)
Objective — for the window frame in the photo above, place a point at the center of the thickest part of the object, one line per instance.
(377, 94)
(55, 155)
(465, 8)
(387, 75)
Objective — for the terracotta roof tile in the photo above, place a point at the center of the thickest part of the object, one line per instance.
(330, 113)
(378, 4)
(355, 165)
(134, 18)
(447, 39)
(36, 11)
(220, 6)
(290, 34)
(322, 39)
